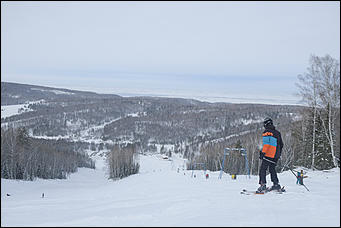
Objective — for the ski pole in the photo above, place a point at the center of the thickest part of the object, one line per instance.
(296, 177)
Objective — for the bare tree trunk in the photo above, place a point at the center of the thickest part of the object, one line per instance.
(329, 135)
(331, 141)
(313, 149)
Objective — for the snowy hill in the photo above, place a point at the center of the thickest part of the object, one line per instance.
(161, 196)
(17, 93)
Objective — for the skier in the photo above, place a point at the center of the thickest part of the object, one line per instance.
(298, 181)
(300, 177)
(270, 153)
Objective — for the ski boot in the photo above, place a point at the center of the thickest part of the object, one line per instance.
(262, 189)
(276, 187)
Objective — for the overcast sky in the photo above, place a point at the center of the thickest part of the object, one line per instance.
(235, 49)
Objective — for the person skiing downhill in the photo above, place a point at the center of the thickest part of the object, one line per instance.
(270, 153)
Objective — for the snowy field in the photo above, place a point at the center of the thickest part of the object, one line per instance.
(10, 110)
(161, 196)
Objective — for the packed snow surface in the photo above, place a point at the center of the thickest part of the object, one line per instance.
(164, 194)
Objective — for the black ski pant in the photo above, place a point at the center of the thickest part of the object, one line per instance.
(262, 172)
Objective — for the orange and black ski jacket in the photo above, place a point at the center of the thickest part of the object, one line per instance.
(272, 143)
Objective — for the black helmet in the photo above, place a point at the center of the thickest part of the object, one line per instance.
(267, 121)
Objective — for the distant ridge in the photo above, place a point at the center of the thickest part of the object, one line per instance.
(17, 93)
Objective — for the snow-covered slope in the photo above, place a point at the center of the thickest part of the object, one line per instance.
(10, 110)
(161, 196)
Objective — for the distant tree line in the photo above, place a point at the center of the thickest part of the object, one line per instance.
(186, 124)
(123, 161)
(211, 153)
(27, 158)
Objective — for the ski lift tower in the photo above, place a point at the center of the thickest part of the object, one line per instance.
(242, 152)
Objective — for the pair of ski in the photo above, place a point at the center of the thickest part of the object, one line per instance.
(248, 192)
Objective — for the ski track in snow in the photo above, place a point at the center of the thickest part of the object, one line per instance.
(160, 196)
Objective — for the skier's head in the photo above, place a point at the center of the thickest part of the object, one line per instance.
(267, 122)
